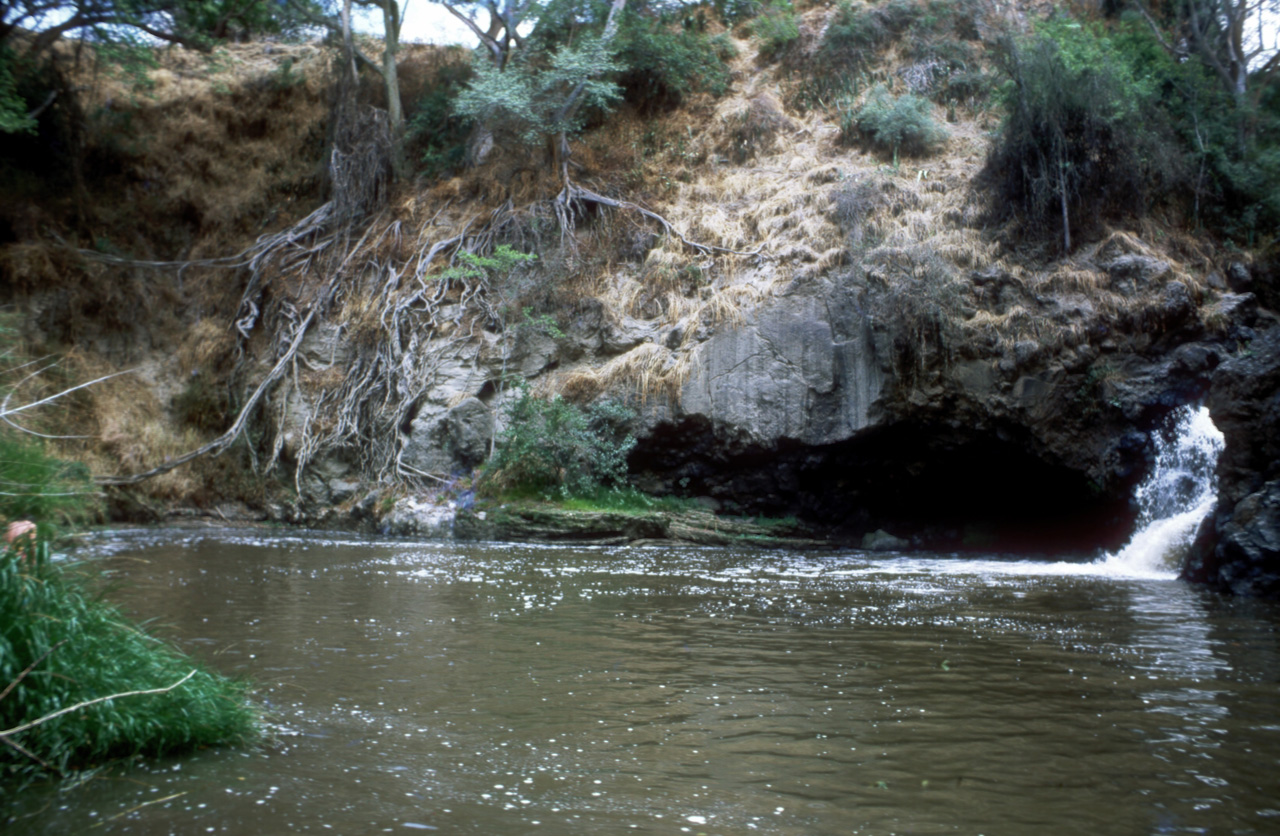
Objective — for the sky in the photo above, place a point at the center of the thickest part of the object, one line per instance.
(424, 22)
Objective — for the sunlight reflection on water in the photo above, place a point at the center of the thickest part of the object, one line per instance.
(512, 688)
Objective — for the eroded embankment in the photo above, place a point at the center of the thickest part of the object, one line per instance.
(873, 354)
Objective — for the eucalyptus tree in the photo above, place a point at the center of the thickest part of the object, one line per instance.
(1238, 41)
(30, 28)
(537, 92)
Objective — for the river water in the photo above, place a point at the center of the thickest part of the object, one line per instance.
(515, 689)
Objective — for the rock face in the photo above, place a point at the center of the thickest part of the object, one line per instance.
(822, 403)
(412, 517)
(1238, 549)
(789, 373)
(449, 442)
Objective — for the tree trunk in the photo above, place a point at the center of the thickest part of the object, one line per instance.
(1066, 220)
(395, 110)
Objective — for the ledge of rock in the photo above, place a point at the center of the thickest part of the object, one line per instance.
(541, 523)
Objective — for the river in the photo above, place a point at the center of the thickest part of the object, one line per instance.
(415, 686)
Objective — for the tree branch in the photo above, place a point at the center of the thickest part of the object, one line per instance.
(489, 41)
(4, 735)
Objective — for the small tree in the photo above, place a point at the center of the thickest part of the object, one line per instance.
(551, 446)
(529, 101)
(541, 94)
(1081, 130)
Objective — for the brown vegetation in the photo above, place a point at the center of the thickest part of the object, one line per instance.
(221, 149)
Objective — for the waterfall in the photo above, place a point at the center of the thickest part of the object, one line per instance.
(1178, 494)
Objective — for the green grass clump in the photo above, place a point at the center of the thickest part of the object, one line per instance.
(79, 648)
(628, 500)
(61, 646)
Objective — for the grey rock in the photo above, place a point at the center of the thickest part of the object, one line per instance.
(788, 372)
(1240, 551)
(455, 440)
(882, 541)
(419, 517)
(324, 346)
(1176, 303)
(1239, 279)
(1138, 268)
(340, 490)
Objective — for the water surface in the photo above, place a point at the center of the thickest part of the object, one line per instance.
(512, 690)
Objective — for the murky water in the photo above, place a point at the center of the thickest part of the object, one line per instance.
(515, 690)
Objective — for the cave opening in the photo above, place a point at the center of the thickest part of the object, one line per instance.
(939, 487)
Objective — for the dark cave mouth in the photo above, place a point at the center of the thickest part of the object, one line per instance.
(938, 487)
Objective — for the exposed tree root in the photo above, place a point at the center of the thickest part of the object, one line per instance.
(577, 194)
(421, 311)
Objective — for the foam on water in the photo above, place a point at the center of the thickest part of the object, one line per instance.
(1175, 498)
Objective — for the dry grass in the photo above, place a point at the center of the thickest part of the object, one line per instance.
(646, 371)
(232, 147)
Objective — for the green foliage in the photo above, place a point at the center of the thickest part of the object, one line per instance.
(735, 11)
(13, 109)
(897, 123)
(628, 500)
(664, 63)
(1231, 149)
(131, 60)
(1082, 127)
(472, 266)
(528, 99)
(775, 28)
(543, 324)
(83, 649)
(552, 447)
(857, 33)
(435, 131)
(36, 486)
(221, 20)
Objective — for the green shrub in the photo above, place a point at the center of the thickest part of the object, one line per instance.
(897, 123)
(553, 447)
(436, 134)
(1083, 133)
(79, 649)
(60, 646)
(775, 28)
(13, 109)
(665, 63)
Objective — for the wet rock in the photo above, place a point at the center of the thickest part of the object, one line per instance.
(1248, 551)
(1240, 551)
(882, 541)
(419, 517)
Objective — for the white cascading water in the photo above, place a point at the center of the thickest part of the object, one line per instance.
(1178, 494)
